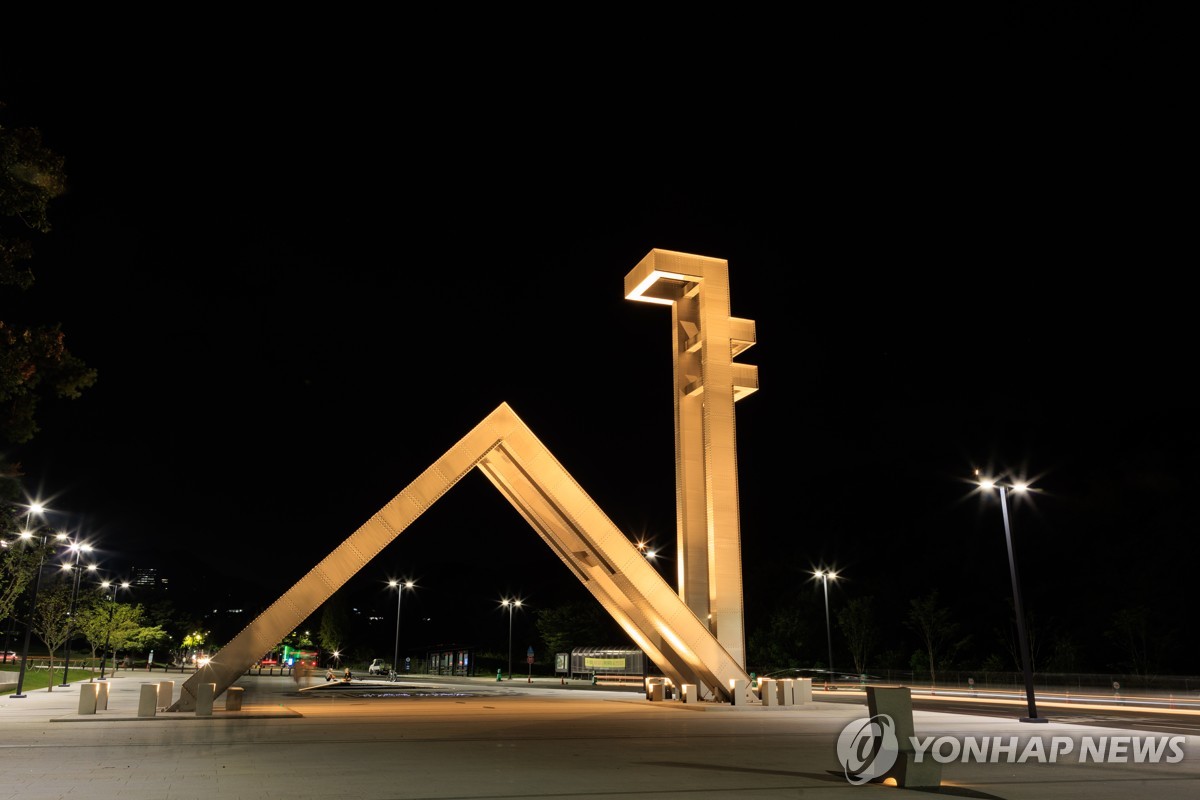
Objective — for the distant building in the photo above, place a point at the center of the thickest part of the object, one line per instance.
(148, 578)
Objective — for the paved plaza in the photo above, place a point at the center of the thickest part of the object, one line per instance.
(477, 738)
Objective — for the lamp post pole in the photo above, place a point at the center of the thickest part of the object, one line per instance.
(511, 604)
(112, 610)
(825, 577)
(37, 582)
(1026, 662)
(400, 587)
(78, 548)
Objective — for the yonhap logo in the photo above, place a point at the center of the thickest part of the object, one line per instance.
(867, 748)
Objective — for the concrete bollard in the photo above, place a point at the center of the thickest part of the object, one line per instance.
(166, 693)
(204, 699)
(803, 691)
(233, 698)
(148, 700)
(102, 696)
(87, 698)
(908, 771)
(742, 694)
(688, 693)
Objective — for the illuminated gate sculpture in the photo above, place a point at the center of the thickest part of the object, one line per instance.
(694, 635)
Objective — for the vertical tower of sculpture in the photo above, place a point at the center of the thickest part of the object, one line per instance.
(707, 384)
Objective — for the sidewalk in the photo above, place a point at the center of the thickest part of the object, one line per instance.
(474, 738)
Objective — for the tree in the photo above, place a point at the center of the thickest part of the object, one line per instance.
(563, 628)
(1033, 635)
(102, 620)
(52, 620)
(1135, 631)
(334, 630)
(34, 359)
(857, 622)
(936, 629)
(128, 631)
(780, 643)
(19, 561)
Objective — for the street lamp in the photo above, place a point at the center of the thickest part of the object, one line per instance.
(399, 587)
(1026, 663)
(826, 576)
(112, 610)
(510, 605)
(37, 582)
(78, 548)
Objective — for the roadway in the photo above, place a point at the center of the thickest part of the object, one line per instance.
(1167, 715)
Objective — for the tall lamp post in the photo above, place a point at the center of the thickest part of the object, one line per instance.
(74, 567)
(399, 587)
(37, 582)
(826, 576)
(112, 610)
(1026, 662)
(510, 605)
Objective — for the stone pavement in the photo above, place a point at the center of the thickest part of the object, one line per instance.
(472, 739)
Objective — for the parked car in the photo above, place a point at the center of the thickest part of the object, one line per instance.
(378, 667)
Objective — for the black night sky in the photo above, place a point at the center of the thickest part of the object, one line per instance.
(300, 284)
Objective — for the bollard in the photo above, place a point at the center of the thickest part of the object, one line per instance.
(87, 698)
(741, 694)
(498, 675)
(102, 696)
(688, 693)
(909, 770)
(148, 700)
(166, 693)
(233, 698)
(204, 699)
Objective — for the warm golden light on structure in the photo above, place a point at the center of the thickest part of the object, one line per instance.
(705, 340)
(693, 633)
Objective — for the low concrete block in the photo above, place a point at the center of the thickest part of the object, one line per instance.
(148, 700)
(87, 698)
(896, 702)
(689, 693)
(768, 690)
(655, 690)
(102, 696)
(803, 691)
(741, 694)
(166, 693)
(233, 698)
(787, 692)
(204, 699)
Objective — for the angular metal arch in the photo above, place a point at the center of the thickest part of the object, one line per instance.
(567, 519)
(694, 635)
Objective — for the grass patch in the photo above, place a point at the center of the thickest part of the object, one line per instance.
(36, 679)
